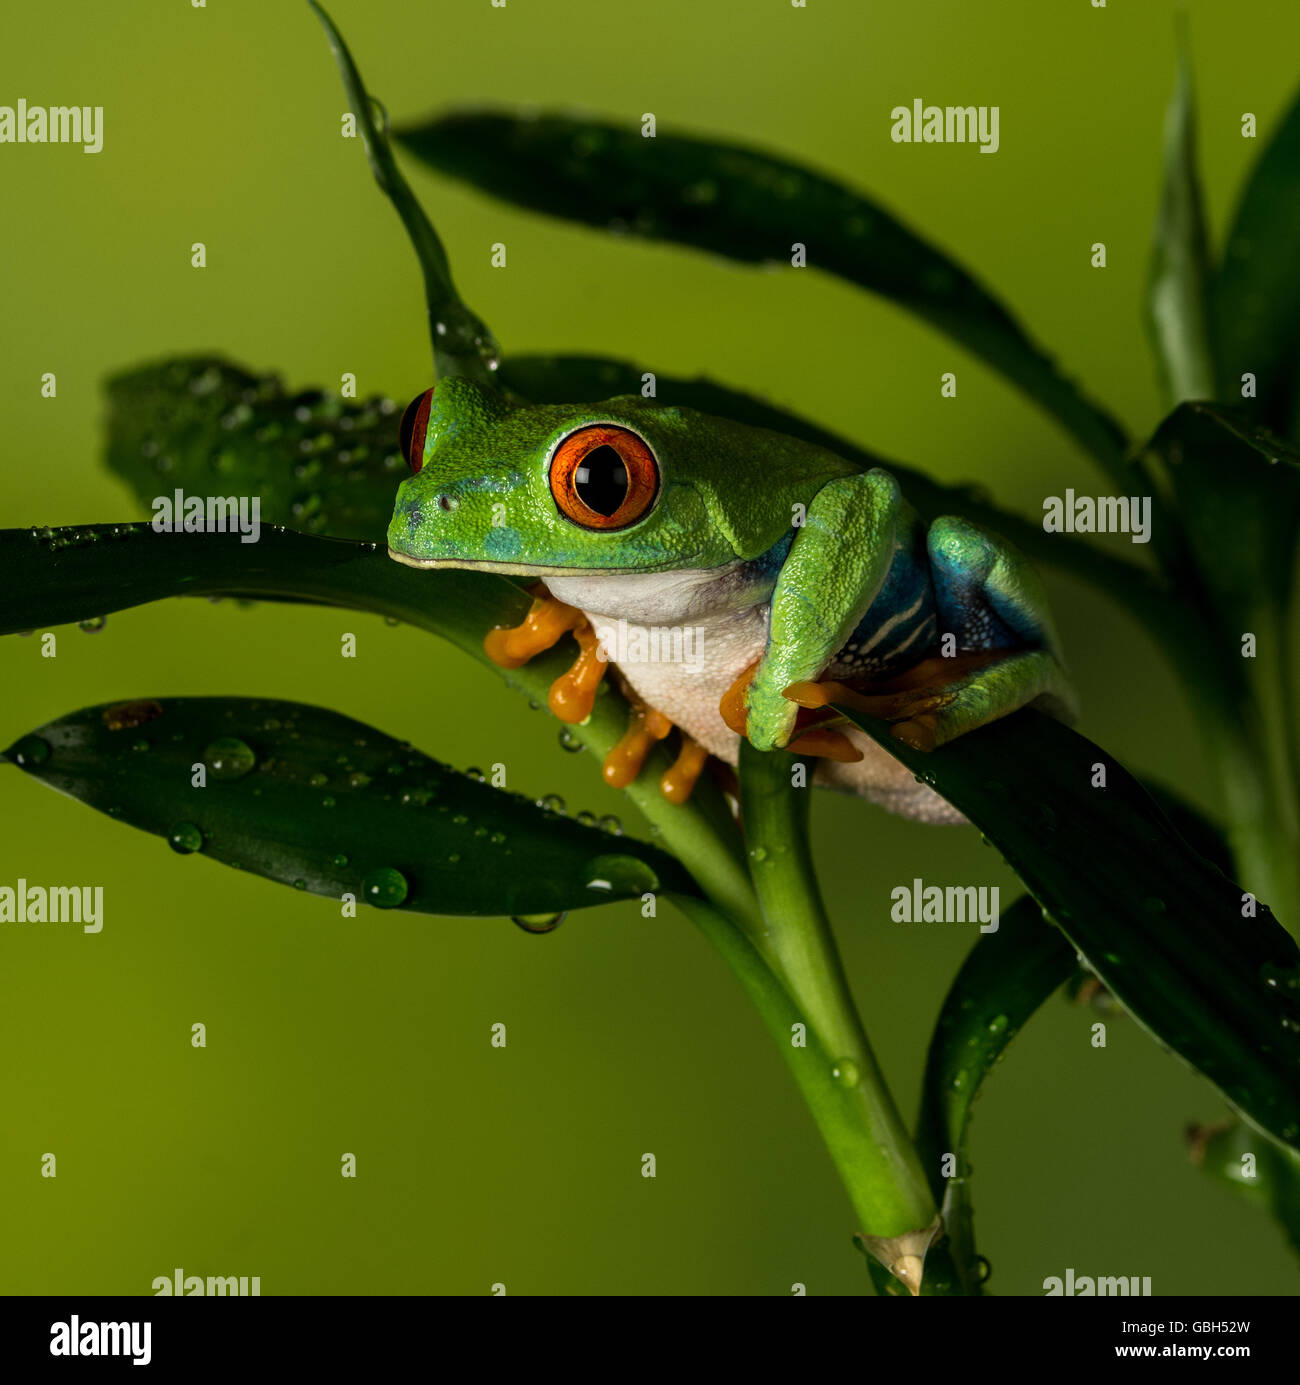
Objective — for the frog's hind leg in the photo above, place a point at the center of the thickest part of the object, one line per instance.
(991, 601)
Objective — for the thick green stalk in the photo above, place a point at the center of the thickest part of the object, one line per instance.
(837, 1071)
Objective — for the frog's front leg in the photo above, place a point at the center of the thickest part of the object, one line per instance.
(836, 566)
(1002, 648)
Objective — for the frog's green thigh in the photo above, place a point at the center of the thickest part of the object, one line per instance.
(990, 598)
(836, 565)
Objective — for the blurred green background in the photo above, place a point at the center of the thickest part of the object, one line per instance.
(371, 1036)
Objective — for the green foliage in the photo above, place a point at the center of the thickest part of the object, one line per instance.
(1214, 979)
(748, 206)
(312, 799)
(318, 463)
(1142, 892)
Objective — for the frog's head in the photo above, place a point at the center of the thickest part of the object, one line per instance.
(625, 485)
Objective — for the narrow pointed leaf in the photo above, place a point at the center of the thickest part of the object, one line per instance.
(1234, 477)
(1257, 287)
(313, 799)
(462, 342)
(205, 427)
(1006, 976)
(1166, 932)
(753, 207)
(1178, 282)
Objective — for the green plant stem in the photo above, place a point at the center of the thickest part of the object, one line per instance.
(837, 1072)
(1265, 828)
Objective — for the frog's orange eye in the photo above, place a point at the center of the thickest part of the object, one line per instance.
(604, 477)
(415, 422)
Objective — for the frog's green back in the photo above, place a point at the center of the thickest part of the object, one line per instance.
(482, 495)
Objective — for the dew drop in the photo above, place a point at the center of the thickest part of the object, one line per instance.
(538, 923)
(31, 750)
(845, 1073)
(229, 758)
(552, 803)
(92, 625)
(385, 888)
(620, 874)
(612, 825)
(570, 742)
(185, 838)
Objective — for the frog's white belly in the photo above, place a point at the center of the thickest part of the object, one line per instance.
(683, 671)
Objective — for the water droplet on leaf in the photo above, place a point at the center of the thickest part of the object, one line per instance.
(229, 758)
(385, 888)
(538, 923)
(185, 838)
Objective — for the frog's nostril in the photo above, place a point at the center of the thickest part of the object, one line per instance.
(447, 502)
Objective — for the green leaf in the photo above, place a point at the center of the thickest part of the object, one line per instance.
(59, 575)
(71, 574)
(462, 342)
(311, 798)
(1238, 488)
(1178, 281)
(201, 425)
(1258, 1170)
(1161, 927)
(588, 379)
(752, 207)
(1257, 287)
(1006, 976)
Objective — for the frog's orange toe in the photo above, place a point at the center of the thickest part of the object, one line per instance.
(573, 694)
(546, 621)
(626, 759)
(824, 743)
(679, 782)
(732, 708)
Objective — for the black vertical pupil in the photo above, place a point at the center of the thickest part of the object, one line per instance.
(601, 480)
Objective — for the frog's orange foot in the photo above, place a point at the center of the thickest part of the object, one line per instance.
(573, 694)
(626, 760)
(645, 728)
(910, 702)
(810, 737)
